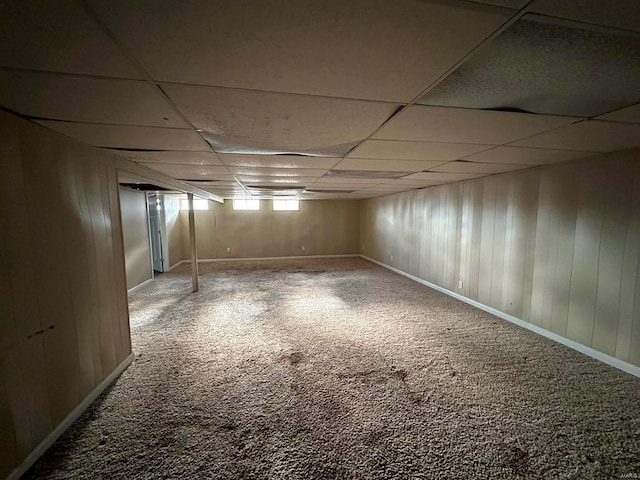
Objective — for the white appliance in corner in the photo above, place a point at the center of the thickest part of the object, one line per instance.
(158, 233)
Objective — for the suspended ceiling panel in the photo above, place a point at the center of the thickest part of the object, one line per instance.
(351, 180)
(338, 187)
(591, 135)
(623, 14)
(459, 125)
(505, 3)
(443, 177)
(278, 172)
(269, 179)
(242, 121)
(543, 67)
(332, 48)
(473, 167)
(85, 99)
(278, 161)
(116, 136)
(176, 157)
(368, 164)
(190, 172)
(59, 37)
(411, 183)
(525, 156)
(406, 150)
(388, 187)
(628, 115)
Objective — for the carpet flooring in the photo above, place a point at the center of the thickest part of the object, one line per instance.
(338, 368)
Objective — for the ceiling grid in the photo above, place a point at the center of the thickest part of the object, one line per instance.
(348, 100)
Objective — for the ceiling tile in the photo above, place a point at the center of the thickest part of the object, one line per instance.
(278, 172)
(459, 125)
(590, 135)
(517, 4)
(623, 14)
(410, 183)
(189, 172)
(116, 136)
(406, 150)
(85, 99)
(256, 180)
(525, 156)
(473, 167)
(355, 49)
(247, 121)
(324, 187)
(628, 115)
(443, 177)
(278, 161)
(351, 180)
(534, 65)
(189, 158)
(384, 165)
(58, 37)
(388, 187)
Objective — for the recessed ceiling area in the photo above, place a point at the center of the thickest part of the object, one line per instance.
(334, 100)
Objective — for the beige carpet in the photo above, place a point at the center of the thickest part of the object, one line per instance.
(341, 369)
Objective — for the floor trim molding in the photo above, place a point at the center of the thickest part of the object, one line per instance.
(68, 420)
(603, 357)
(140, 285)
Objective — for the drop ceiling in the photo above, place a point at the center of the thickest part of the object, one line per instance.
(333, 99)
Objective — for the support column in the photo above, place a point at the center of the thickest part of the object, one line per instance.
(194, 250)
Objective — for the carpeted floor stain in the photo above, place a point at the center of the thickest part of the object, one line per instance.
(336, 368)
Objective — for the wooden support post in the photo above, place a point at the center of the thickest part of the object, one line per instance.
(194, 249)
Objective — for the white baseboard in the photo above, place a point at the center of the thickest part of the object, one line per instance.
(68, 420)
(603, 357)
(176, 265)
(292, 257)
(140, 285)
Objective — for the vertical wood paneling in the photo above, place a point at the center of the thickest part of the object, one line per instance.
(7, 439)
(629, 327)
(59, 257)
(615, 223)
(557, 246)
(91, 325)
(426, 235)
(52, 275)
(499, 238)
(564, 217)
(530, 221)
(541, 249)
(524, 190)
(466, 233)
(76, 259)
(477, 195)
(584, 281)
(458, 240)
(104, 344)
(487, 240)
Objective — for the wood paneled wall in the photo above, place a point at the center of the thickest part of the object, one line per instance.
(323, 227)
(135, 232)
(175, 225)
(64, 321)
(556, 246)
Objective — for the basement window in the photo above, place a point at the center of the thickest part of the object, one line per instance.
(198, 204)
(246, 204)
(286, 204)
